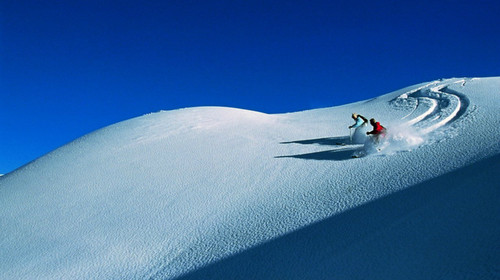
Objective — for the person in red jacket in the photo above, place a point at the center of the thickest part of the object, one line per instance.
(378, 130)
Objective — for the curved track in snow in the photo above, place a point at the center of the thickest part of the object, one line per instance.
(435, 105)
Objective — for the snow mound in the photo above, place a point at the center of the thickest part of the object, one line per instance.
(224, 193)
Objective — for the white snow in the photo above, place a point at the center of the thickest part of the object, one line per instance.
(224, 193)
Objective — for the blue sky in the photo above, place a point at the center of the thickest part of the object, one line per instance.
(68, 68)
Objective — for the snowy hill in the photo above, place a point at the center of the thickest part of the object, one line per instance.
(224, 193)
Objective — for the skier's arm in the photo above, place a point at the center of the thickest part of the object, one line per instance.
(364, 119)
(357, 124)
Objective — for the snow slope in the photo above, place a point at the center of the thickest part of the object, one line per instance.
(224, 193)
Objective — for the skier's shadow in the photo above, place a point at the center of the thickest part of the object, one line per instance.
(344, 152)
(329, 141)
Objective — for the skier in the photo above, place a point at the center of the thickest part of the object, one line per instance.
(360, 122)
(377, 132)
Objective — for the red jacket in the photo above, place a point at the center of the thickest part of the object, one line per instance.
(377, 129)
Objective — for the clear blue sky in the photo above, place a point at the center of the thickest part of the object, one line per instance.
(68, 68)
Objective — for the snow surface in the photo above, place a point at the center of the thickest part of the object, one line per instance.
(224, 193)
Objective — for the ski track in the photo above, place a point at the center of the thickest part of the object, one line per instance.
(432, 106)
(436, 106)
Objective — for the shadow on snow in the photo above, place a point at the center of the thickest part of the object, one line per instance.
(330, 141)
(427, 231)
(339, 154)
(342, 153)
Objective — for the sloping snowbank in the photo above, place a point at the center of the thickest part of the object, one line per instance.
(228, 193)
